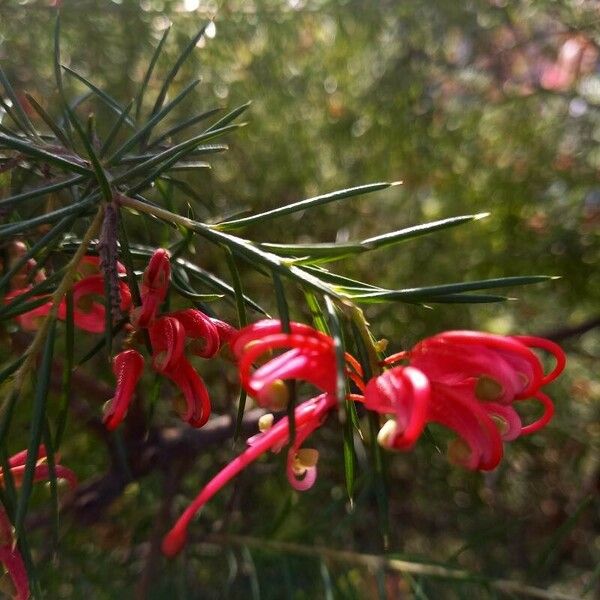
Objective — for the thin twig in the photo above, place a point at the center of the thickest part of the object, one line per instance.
(375, 563)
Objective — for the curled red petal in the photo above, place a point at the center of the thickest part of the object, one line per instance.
(261, 329)
(29, 321)
(405, 392)
(167, 336)
(200, 328)
(127, 367)
(312, 359)
(225, 330)
(510, 425)
(552, 348)
(155, 284)
(457, 408)
(546, 415)
(194, 391)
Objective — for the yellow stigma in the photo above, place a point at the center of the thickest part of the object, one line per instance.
(304, 459)
(387, 433)
(487, 388)
(265, 422)
(275, 396)
(501, 423)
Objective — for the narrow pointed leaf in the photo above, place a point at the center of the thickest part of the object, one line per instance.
(16, 109)
(145, 131)
(115, 130)
(179, 150)
(430, 292)
(106, 98)
(139, 100)
(60, 135)
(101, 175)
(230, 116)
(185, 125)
(78, 209)
(35, 428)
(162, 94)
(304, 205)
(69, 363)
(41, 191)
(36, 152)
(242, 322)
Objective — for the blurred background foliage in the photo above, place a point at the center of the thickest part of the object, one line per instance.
(483, 106)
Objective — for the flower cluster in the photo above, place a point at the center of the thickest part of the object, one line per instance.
(10, 556)
(467, 381)
(170, 334)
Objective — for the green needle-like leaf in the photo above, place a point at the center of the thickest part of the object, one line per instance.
(115, 129)
(77, 208)
(162, 94)
(35, 428)
(242, 322)
(178, 150)
(146, 130)
(340, 357)
(230, 116)
(139, 100)
(101, 175)
(16, 110)
(106, 98)
(430, 293)
(321, 253)
(185, 125)
(63, 412)
(39, 153)
(58, 132)
(303, 205)
(41, 191)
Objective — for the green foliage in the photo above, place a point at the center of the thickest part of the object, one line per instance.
(440, 95)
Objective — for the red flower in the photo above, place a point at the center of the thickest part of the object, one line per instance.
(301, 463)
(127, 367)
(405, 392)
(154, 288)
(88, 313)
(474, 380)
(9, 553)
(170, 334)
(311, 358)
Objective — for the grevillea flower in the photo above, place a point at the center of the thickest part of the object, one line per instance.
(308, 416)
(10, 556)
(311, 357)
(171, 335)
(474, 380)
(154, 288)
(88, 313)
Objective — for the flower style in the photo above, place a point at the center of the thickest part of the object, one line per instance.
(170, 335)
(308, 416)
(311, 357)
(9, 553)
(474, 379)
